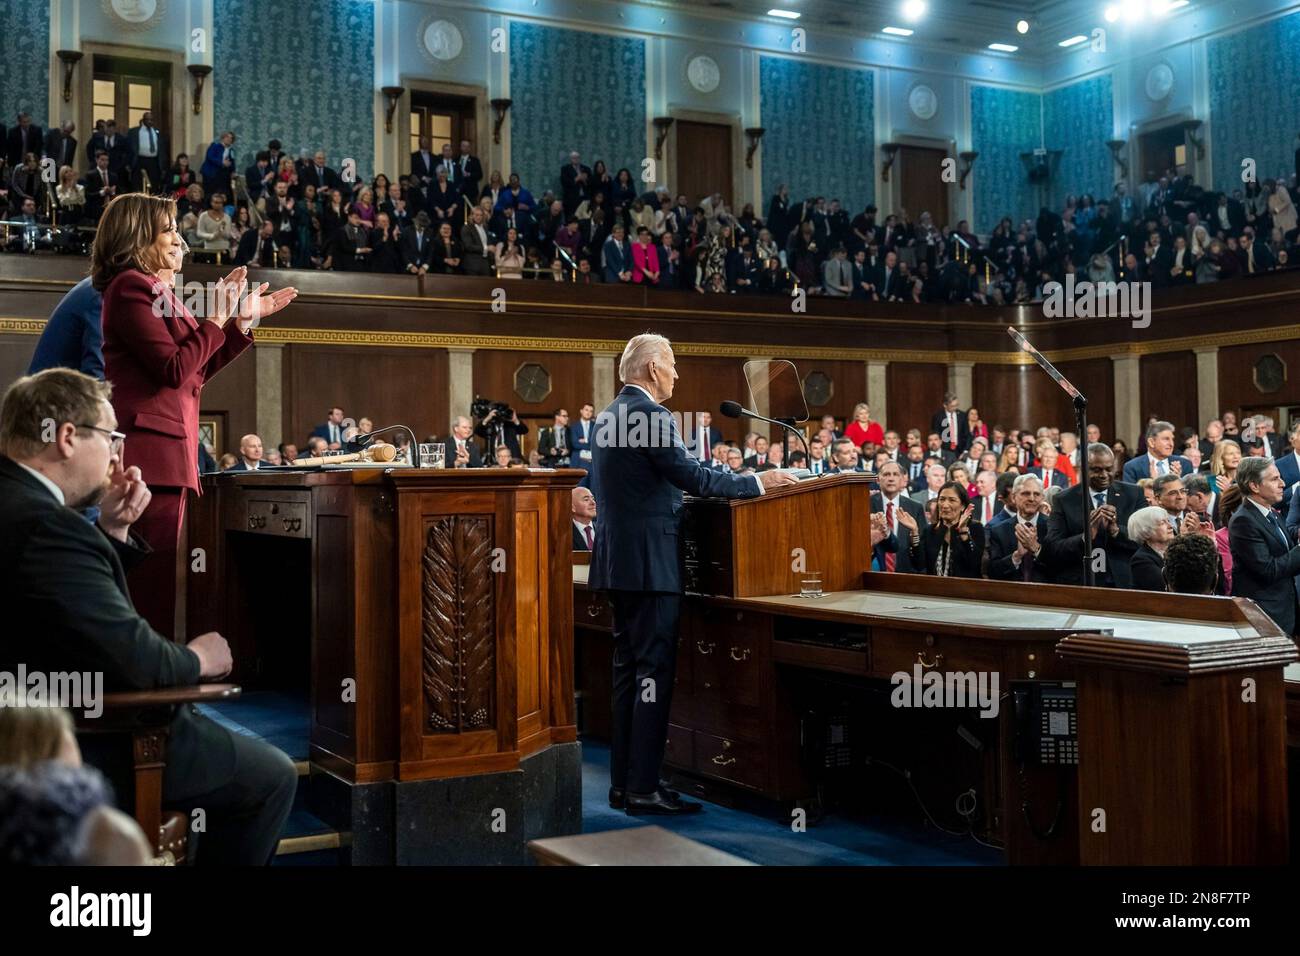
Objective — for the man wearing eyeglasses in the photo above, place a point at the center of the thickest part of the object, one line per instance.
(71, 612)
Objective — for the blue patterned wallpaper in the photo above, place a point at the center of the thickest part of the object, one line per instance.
(1254, 107)
(1004, 124)
(24, 60)
(820, 137)
(313, 82)
(573, 90)
(1078, 119)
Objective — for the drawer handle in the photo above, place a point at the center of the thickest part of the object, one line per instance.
(936, 662)
(703, 650)
(722, 761)
(288, 523)
(743, 656)
(593, 609)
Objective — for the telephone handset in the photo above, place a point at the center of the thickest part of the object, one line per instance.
(1047, 724)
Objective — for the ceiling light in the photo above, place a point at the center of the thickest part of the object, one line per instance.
(897, 31)
(1112, 13)
(1022, 26)
(1003, 47)
(1074, 40)
(913, 9)
(784, 14)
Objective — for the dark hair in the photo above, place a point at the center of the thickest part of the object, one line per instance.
(1191, 564)
(958, 487)
(42, 809)
(1005, 481)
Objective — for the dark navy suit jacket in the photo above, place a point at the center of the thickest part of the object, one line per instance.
(1135, 469)
(1263, 567)
(1290, 472)
(638, 483)
(74, 335)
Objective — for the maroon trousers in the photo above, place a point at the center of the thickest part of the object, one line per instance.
(156, 581)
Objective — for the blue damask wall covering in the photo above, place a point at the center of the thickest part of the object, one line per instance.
(572, 90)
(313, 83)
(1254, 103)
(820, 137)
(1078, 119)
(24, 60)
(1004, 124)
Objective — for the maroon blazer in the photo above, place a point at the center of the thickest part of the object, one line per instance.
(158, 364)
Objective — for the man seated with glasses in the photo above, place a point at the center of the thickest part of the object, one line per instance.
(60, 451)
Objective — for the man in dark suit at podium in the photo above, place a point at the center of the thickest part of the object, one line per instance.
(640, 468)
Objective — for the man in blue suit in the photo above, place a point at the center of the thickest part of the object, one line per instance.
(1265, 561)
(74, 335)
(618, 256)
(582, 436)
(1288, 465)
(640, 468)
(1159, 459)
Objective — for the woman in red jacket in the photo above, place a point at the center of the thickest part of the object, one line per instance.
(157, 355)
(862, 429)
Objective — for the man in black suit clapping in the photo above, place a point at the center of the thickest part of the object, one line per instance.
(1113, 503)
(1016, 546)
(640, 469)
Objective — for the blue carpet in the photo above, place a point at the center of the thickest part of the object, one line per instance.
(282, 720)
(837, 841)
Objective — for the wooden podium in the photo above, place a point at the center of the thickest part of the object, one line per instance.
(426, 615)
(1188, 772)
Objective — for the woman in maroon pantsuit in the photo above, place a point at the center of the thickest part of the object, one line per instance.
(157, 355)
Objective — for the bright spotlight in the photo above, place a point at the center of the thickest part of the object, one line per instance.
(1112, 13)
(1022, 26)
(913, 9)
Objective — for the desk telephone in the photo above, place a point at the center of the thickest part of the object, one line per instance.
(1047, 724)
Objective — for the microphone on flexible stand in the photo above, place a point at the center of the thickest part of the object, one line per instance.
(368, 437)
(736, 410)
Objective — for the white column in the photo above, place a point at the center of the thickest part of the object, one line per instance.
(604, 378)
(460, 383)
(960, 376)
(1128, 401)
(270, 393)
(877, 389)
(1207, 385)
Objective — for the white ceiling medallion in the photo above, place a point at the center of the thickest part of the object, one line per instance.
(1160, 81)
(703, 73)
(135, 14)
(923, 102)
(442, 40)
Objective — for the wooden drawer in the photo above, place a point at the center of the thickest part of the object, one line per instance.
(735, 759)
(679, 750)
(729, 667)
(898, 650)
(591, 609)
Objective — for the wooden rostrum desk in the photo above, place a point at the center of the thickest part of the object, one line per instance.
(1184, 770)
(443, 598)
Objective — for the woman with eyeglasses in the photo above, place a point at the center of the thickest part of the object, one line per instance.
(952, 547)
(158, 355)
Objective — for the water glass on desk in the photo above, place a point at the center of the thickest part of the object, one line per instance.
(810, 585)
(432, 455)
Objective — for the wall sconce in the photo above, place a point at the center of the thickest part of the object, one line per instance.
(200, 72)
(662, 125)
(70, 59)
(891, 150)
(1189, 130)
(394, 93)
(968, 158)
(502, 106)
(1115, 145)
(755, 134)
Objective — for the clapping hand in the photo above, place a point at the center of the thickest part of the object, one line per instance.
(906, 520)
(258, 305)
(964, 520)
(1175, 466)
(1026, 538)
(879, 530)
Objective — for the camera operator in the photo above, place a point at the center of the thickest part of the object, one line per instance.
(501, 426)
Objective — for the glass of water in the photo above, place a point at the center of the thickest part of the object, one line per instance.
(810, 585)
(431, 455)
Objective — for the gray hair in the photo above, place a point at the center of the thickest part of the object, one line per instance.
(1157, 428)
(1142, 523)
(1022, 480)
(1100, 448)
(641, 350)
(1251, 469)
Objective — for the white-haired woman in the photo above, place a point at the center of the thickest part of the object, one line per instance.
(1152, 530)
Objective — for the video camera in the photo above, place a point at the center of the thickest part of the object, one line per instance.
(482, 406)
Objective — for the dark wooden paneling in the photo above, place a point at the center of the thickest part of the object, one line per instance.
(915, 393)
(1005, 395)
(386, 385)
(15, 355)
(1237, 389)
(849, 385)
(704, 382)
(919, 179)
(494, 378)
(233, 393)
(703, 160)
(1095, 378)
(1168, 388)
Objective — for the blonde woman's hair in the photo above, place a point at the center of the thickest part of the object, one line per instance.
(1217, 467)
(30, 735)
(130, 225)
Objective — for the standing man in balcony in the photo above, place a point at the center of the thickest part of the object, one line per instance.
(640, 469)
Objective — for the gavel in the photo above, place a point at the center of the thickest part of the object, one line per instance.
(379, 451)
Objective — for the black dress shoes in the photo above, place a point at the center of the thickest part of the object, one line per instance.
(660, 803)
(618, 797)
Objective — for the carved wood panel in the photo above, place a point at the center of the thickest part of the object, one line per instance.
(458, 625)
